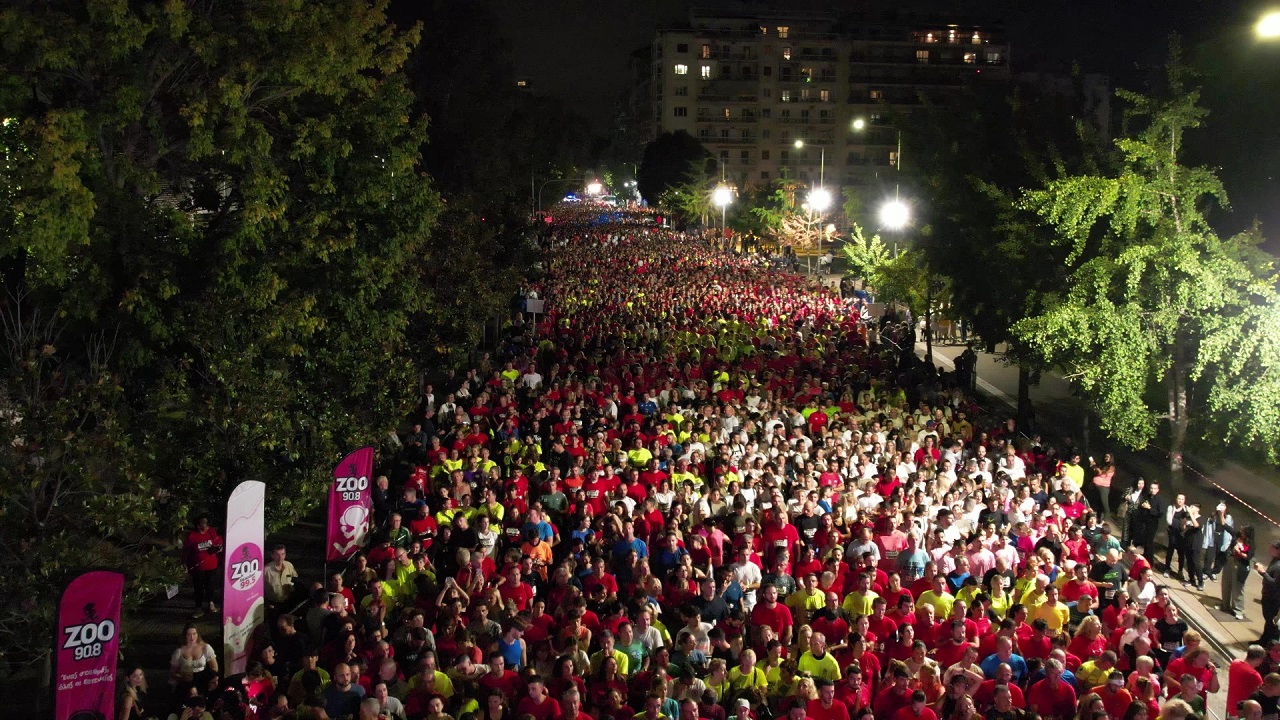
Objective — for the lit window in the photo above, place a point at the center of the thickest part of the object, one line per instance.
(877, 119)
(681, 111)
(807, 74)
(929, 38)
(825, 95)
(706, 51)
(971, 58)
(804, 94)
(922, 56)
(726, 113)
(522, 83)
(877, 94)
(706, 72)
(764, 30)
(976, 39)
(682, 69)
(783, 31)
(893, 158)
(951, 36)
(786, 53)
(994, 58)
(786, 96)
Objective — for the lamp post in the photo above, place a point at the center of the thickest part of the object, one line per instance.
(860, 125)
(822, 160)
(721, 197)
(548, 182)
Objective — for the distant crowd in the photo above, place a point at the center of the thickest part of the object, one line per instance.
(702, 488)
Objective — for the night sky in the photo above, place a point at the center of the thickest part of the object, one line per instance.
(578, 50)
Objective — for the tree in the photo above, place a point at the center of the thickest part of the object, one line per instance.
(1161, 300)
(215, 240)
(904, 277)
(667, 162)
(977, 154)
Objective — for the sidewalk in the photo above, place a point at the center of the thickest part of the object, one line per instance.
(1250, 499)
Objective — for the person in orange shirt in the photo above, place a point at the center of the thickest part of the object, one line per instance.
(538, 549)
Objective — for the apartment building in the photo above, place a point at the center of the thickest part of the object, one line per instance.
(750, 86)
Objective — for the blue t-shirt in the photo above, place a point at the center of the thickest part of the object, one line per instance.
(993, 661)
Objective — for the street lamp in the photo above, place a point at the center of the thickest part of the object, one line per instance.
(822, 160)
(1268, 27)
(894, 215)
(721, 197)
(819, 199)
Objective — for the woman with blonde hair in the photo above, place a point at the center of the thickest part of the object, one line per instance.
(928, 683)
(717, 679)
(1088, 641)
(748, 675)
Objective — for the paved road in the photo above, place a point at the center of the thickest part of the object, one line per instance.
(1250, 497)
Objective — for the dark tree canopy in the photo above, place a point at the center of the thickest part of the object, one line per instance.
(667, 162)
(215, 239)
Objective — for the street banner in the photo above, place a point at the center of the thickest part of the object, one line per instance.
(87, 646)
(243, 605)
(350, 500)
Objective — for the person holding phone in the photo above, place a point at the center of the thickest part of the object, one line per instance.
(200, 553)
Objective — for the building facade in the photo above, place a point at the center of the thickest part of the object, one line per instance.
(751, 86)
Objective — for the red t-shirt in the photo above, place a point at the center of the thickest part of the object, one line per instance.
(1242, 680)
(837, 711)
(201, 549)
(985, 696)
(776, 618)
(520, 593)
(1052, 702)
(909, 713)
(548, 709)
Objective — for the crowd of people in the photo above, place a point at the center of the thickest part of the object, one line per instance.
(701, 488)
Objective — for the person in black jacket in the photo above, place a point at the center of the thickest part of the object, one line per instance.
(1146, 520)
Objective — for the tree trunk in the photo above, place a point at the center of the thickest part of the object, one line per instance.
(1178, 420)
(1026, 413)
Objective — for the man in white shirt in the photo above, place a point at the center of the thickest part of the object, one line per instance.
(748, 575)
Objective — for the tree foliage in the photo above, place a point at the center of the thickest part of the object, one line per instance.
(1158, 299)
(668, 161)
(217, 246)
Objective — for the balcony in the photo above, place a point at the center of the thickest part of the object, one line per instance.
(721, 120)
(724, 98)
(712, 140)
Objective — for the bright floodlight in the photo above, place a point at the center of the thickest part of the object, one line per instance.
(894, 215)
(722, 196)
(799, 144)
(859, 125)
(595, 188)
(1268, 27)
(820, 199)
